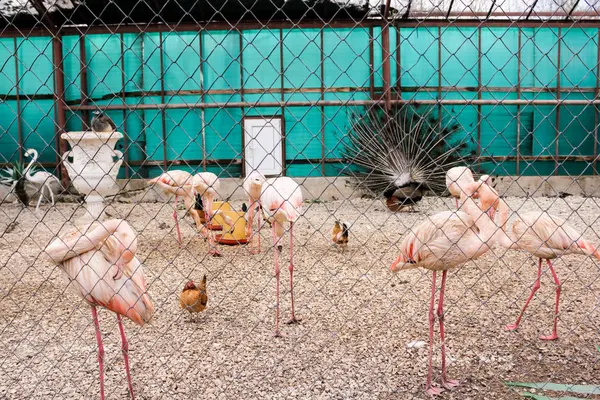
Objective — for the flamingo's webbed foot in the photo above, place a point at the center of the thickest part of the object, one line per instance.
(434, 391)
(554, 336)
(511, 327)
(450, 384)
(294, 320)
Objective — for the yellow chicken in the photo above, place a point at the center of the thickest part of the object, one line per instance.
(194, 298)
(339, 235)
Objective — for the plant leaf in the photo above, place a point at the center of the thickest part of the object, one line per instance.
(534, 396)
(598, 347)
(560, 387)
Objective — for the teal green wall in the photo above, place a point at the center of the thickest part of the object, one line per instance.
(310, 132)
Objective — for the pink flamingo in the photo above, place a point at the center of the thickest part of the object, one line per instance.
(253, 186)
(546, 237)
(178, 183)
(458, 177)
(101, 262)
(281, 202)
(444, 241)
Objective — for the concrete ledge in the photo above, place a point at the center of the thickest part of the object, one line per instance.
(326, 189)
(336, 188)
(548, 186)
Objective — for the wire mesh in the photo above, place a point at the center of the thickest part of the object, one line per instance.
(351, 113)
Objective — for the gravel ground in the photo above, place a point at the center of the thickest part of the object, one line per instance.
(357, 317)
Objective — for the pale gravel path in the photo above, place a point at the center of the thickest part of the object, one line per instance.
(357, 316)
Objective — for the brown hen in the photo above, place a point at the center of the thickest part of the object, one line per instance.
(194, 298)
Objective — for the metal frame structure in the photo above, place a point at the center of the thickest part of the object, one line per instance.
(388, 94)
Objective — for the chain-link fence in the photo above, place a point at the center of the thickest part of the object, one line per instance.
(213, 169)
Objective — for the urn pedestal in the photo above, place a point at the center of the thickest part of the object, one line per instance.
(93, 165)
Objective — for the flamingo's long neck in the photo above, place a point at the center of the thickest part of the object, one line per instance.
(489, 232)
(33, 159)
(503, 236)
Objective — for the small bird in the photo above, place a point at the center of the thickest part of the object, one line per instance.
(194, 297)
(102, 123)
(339, 236)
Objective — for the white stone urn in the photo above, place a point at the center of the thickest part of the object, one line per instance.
(93, 165)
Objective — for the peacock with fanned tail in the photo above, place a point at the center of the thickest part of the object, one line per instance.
(401, 153)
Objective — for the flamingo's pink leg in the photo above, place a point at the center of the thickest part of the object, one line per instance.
(448, 384)
(250, 224)
(293, 319)
(534, 289)
(429, 389)
(251, 211)
(125, 348)
(276, 255)
(259, 218)
(456, 199)
(100, 351)
(177, 221)
(554, 335)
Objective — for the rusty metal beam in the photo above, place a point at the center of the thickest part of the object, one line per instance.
(386, 10)
(17, 90)
(572, 10)
(596, 111)
(385, 50)
(61, 117)
(531, 9)
(371, 63)
(83, 82)
(436, 19)
(378, 89)
(163, 117)
(491, 9)
(407, 13)
(322, 71)
(559, 70)
(519, 44)
(283, 132)
(479, 96)
(336, 103)
(449, 9)
(238, 161)
(43, 12)
(125, 130)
